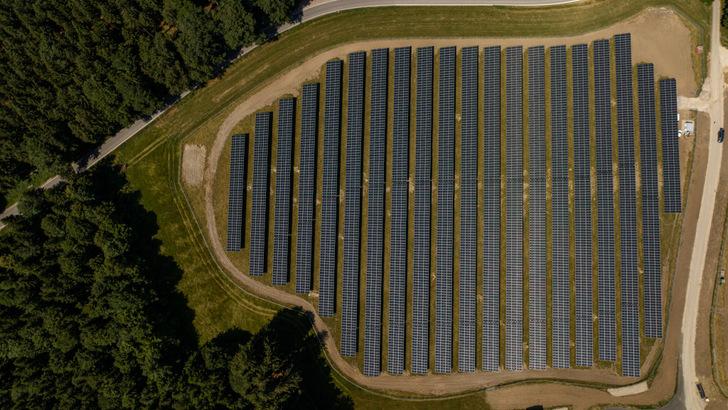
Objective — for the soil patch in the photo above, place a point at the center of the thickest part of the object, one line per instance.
(193, 164)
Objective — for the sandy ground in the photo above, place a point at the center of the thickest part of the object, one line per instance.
(666, 43)
(193, 164)
(629, 390)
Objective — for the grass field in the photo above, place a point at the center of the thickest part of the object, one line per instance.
(153, 156)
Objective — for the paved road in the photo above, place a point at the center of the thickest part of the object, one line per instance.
(707, 204)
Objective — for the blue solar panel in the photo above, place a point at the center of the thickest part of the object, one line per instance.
(627, 207)
(670, 148)
(514, 208)
(236, 195)
(330, 189)
(605, 202)
(445, 207)
(423, 174)
(491, 208)
(259, 215)
(284, 174)
(307, 187)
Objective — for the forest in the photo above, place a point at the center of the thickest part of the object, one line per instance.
(90, 317)
(75, 71)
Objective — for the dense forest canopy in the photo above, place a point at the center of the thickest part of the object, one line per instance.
(76, 71)
(90, 317)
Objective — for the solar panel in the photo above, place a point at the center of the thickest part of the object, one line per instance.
(236, 195)
(652, 282)
(605, 201)
(259, 215)
(491, 207)
(423, 173)
(445, 208)
(307, 187)
(352, 205)
(468, 209)
(537, 209)
(627, 207)
(560, 210)
(375, 215)
(670, 148)
(584, 314)
(284, 174)
(330, 189)
(514, 208)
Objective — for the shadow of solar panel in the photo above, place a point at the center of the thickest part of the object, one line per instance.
(445, 205)
(670, 148)
(627, 207)
(537, 208)
(584, 314)
(468, 209)
(652, 281)
(307, 187)
(330, 189)
(284, 175)
(236, 194)
(514, 208)
(605, 201)
(423, 172)
(491, 207)
(259, 215)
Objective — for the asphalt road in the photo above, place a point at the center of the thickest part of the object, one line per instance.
(707, 204)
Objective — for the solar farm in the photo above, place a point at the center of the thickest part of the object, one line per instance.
(461, 251)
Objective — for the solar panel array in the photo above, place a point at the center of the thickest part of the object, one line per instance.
(307, 187)
(330, 189)
(236, 195)
(259, 215)
(375, 215)
(400, 192)
(514, 208)
(605, 202)
(284, 175)
(560, 209)
(584, 314)
(352, 204)
(650, 201)
(423, 173)
(537, 211)
(468, 209)
(670, 148)
(627, 207)
(491, 207)
(445, 210)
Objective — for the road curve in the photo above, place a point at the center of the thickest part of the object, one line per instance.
(308, 13)
(705, 219)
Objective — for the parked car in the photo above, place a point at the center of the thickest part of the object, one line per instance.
(721, 134)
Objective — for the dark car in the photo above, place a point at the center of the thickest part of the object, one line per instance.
(721, 134)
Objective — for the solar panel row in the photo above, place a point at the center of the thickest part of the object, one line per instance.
(236, 194)
(352, 205)
(537, 210)
(423, 173)
(259, 215)
(584, 314)
(375, 213)
(307, 187)
(491, 207)
(398, 227)
(627, 207)
(284, 175)
(445, 211)
(670, 148)
(468, 209)
(605, 201)
(514, 208)
(330, 189)
(650, 201)
(560, 210)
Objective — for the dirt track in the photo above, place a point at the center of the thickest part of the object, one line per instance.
(663, 44)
